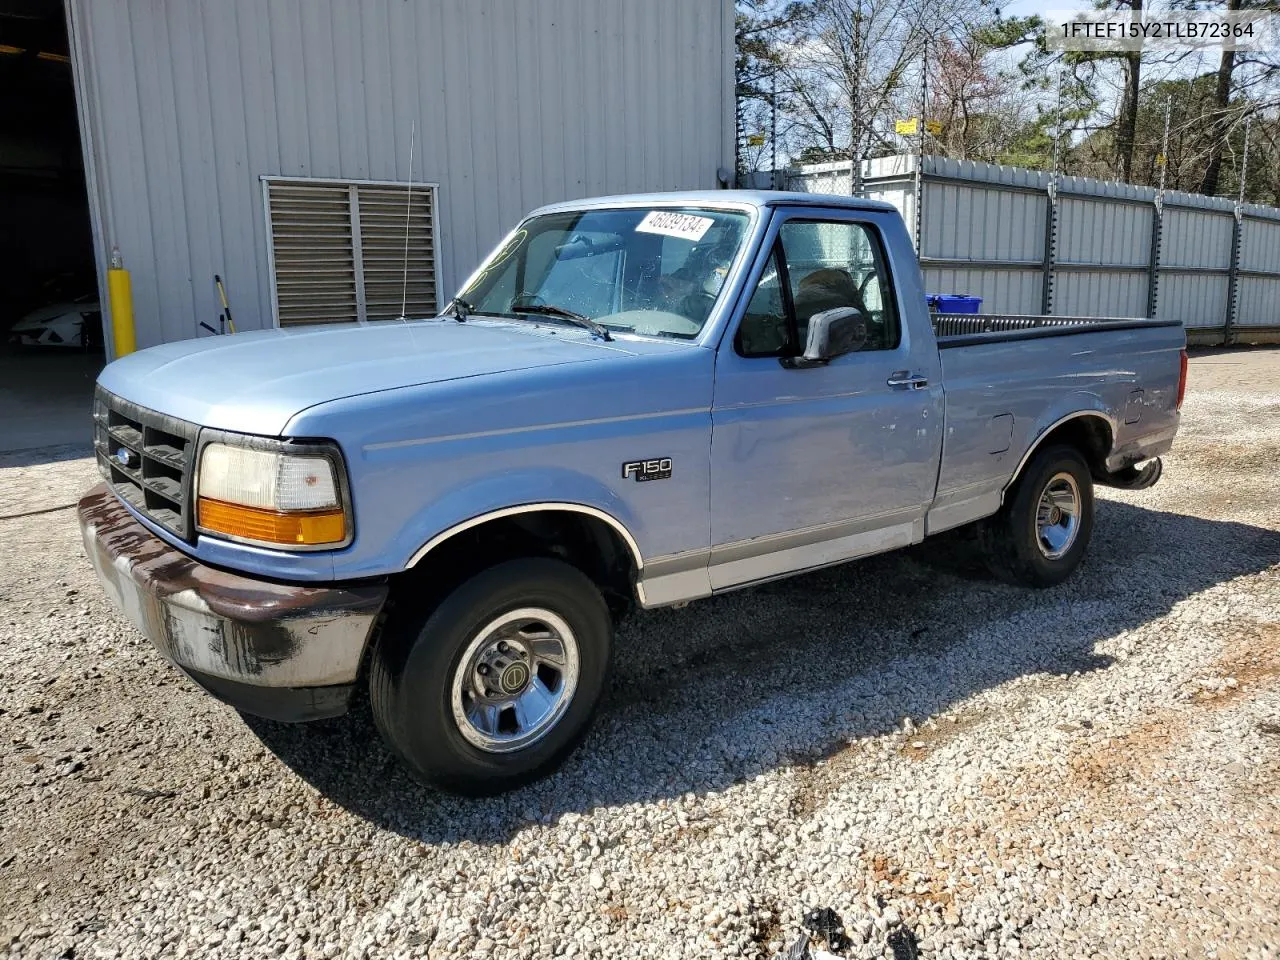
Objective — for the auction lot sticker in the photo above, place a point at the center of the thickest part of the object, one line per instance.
(670, 224)
(1138, 30)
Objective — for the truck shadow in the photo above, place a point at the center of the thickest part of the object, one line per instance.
(793, 672)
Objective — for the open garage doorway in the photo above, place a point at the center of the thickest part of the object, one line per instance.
(51, 338)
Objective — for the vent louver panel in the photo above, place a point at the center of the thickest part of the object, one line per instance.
(315, 271)
(339, 250)
(384, 212)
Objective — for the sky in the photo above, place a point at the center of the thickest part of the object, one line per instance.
(1153, 70)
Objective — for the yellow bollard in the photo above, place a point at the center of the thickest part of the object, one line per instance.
(120, 293)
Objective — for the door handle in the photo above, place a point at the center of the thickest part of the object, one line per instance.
(904, 380)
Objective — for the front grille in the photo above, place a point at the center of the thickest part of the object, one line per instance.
(147, 459)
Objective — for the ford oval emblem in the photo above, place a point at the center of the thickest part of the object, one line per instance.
(126, 457)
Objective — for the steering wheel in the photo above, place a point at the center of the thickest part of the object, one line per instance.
(652, 322)
(526, 298)
(697, 306)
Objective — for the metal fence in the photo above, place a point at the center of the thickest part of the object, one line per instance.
(1029, 242)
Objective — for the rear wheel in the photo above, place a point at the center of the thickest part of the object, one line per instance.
(497, 684)
(1041, 533)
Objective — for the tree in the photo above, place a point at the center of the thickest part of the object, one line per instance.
(1045, 101)
(1268, 166)
(1127, 120)
(1247, 84)
(1188, 101)
(972, 103)
(762, 27)
(847, 69)
(852, 71)
(1221, 115)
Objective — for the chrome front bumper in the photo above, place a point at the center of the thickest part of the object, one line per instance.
(286, 651)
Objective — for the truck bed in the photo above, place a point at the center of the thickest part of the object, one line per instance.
(1017, 376)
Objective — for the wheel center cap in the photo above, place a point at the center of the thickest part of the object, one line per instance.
(513, 678)
(1055, 515)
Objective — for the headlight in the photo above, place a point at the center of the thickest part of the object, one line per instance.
(273, 494)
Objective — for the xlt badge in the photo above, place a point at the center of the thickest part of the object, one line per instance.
(657, 469)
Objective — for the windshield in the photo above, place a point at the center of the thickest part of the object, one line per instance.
(655, 272)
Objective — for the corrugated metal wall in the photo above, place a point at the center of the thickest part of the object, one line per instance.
(1258, 291)
(1023, 241)
(186, 104)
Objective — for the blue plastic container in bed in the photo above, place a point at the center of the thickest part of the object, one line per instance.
(954, 303)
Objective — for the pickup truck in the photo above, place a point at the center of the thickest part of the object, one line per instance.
(634, 402)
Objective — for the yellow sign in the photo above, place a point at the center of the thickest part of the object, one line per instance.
(755, 140)
(1161, 160)
(933, 126)
(907, 127)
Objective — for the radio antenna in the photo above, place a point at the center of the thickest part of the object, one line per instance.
(408, 207)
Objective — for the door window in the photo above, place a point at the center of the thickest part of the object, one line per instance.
(815, 266)
(766, 329)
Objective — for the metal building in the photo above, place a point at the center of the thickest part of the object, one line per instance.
(1028, 242)
(269, 141)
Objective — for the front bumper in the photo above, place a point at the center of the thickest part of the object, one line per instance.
(282, 651)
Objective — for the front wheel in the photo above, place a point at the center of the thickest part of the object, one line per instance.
(497, 684)
(1041, 533)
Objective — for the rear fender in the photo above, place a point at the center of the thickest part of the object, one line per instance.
(1067, 410)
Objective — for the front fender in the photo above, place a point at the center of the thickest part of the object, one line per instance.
(424, 460)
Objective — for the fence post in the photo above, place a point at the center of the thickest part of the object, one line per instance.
(919, 218)
(1153, 265)
(1237, 239)
(1050, 246)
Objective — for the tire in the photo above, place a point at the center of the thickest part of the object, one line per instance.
(1016, 546)
(424, 681)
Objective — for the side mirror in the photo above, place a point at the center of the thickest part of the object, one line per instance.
(832, 333)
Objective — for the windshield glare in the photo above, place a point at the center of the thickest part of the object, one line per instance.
(655, 272)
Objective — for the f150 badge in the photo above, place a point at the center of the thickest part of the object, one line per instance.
(642, 470)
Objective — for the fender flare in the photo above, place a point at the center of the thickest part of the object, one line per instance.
(1043, 434)
(539, 507)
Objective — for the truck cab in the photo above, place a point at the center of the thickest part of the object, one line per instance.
(633, 402)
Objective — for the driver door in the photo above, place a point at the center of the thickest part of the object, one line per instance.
(818, 465)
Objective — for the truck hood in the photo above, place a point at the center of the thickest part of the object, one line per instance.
(256, 382)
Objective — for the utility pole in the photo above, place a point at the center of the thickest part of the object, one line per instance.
(773, 130)
(1057, 125)
(1244, 159)
(1157, 220)
(1164, 142)
(924, 96)
(855, 107)
(918, 225)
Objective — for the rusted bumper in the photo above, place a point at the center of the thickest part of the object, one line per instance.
(288, 652)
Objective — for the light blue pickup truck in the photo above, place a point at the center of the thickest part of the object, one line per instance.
(635, 401)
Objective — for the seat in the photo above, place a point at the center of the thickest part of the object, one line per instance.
(825, 289)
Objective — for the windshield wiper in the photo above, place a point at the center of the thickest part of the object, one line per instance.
(461, 309)
(550, 310)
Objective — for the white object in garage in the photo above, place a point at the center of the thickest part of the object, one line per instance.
(60, 325)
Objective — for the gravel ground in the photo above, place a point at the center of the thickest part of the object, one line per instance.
(957, 768)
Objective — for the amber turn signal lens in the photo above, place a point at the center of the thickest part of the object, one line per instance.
(309, 527)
